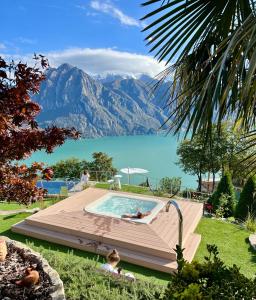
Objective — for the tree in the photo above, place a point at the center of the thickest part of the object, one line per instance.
(227, 149)
(70, 168)
(213, 44)
(20, 135)
(192, 158)
(170, 185)
(225, 188)
(100, 168)
(222, 152)
(247, 200)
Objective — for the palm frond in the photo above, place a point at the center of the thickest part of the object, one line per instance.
(214, 74)
(171, 32)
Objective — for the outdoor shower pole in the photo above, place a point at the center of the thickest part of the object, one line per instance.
(176, 205)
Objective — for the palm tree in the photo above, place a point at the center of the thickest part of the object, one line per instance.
(213, 44)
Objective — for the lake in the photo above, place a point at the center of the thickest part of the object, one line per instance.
(152, 152)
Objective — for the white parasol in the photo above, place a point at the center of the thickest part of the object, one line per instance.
(131, 171)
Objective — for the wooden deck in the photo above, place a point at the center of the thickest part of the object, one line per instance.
(150, 245)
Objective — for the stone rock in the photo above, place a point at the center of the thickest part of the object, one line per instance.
(55, 289)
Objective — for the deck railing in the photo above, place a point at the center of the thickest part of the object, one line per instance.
(141, 180)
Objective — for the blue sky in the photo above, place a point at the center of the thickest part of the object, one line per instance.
(100, 36)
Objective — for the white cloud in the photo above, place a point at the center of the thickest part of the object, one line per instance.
(108, 8)
(2, 46)
(101, 61)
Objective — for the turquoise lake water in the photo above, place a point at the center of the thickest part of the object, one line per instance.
(154, 153)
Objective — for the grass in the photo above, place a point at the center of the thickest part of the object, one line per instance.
(231, 239)
(77, 268)
(51, 249)
(13, 206)
(232, 242)
(127, 188)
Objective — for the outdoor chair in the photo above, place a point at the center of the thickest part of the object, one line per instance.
(63, 192)
(111, 184)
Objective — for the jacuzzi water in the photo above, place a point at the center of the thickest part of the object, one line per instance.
(118, 205)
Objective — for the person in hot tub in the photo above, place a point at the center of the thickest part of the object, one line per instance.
(138, 215)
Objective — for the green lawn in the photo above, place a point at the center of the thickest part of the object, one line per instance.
(232, 242)
(41, 204)
(127, 188)
(7, 221)
(77, 268)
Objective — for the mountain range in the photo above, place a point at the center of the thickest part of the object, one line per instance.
(100, 106)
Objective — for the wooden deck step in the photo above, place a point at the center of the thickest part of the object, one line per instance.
(191, 246)
(134, 257)
(140, 244)
(146, 244)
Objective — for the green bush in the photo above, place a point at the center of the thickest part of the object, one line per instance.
(69, 168)
(225, 187)
(224, 210)
(210, 280)
(250, 223)
(247, 200)
(170, 185)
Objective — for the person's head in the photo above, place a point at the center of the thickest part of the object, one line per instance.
(139, 215)
(85, 172)
(113, 257)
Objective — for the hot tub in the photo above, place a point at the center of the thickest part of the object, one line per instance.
(116, 205)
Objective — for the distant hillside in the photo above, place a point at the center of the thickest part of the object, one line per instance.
(117, 106)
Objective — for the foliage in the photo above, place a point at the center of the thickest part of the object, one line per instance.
(250, 223)
(208, 207)
(210, 280)
(170, 185)
(82, 281)
(221, 152)
(69, 168)
(100, 169)
(202, 29)
(102, 166)
(213, 43)
(225, 187)
(180, 258)
(192, 158)
(224, 209)
(158, 192)
(19, 132)
(247, 200)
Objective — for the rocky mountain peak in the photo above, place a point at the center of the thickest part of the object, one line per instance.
(122, 106)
